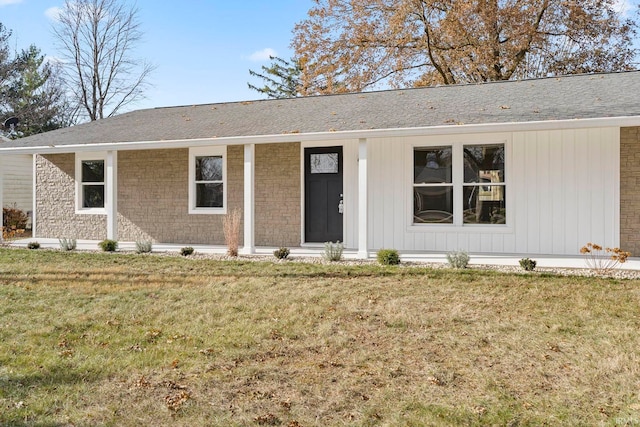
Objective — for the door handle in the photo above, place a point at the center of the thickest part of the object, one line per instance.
(341, 205)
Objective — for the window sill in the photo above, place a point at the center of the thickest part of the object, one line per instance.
(91, 211)
(207, 211)
(451, 228)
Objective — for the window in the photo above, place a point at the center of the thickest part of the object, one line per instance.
(460, 184)
(207, 175)
(90, 183)
(432, 185)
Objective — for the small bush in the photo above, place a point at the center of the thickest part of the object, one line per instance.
(143, 247)
(388, 257)
(458, 259)
(186, 251)
(33, 245)
(333, 251)
(67, 244)
(281, 253)
(603, 260)
(14, 218)
(528, 264)
(108, 245)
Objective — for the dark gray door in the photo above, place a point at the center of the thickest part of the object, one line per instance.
(323, 194)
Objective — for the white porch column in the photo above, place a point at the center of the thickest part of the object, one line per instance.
(34, 198)
(363, 200)
(249, 199)
(111, 196)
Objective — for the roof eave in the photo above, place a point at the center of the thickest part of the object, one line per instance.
(332, 136)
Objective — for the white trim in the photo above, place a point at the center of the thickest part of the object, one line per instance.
(249, 199)
(111, 194)
(86, 156)
(34, 189)
(340, 135)
(207, 151)
(363, 200)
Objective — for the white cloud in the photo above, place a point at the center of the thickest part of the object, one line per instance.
(262, 55)
(52, 13)
(7, 2)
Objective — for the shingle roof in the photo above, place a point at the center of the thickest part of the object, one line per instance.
(558, 98)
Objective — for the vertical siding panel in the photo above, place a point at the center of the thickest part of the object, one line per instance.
(611, 146)
(531, 192)
(544, 211)
(570, 203)
(583, 187)
(516, 191)
(597, 172)
(377, 189)
(557, 188)
(399, 191)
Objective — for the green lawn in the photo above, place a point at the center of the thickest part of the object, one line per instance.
(130, 340)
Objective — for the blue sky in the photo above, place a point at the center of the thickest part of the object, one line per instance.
(203, 49)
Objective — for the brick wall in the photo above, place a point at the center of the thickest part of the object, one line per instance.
(629, 185)
(153, 198)
(55, 203)
(277, 197)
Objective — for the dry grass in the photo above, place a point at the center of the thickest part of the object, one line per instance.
(108, 339)
(231, 227)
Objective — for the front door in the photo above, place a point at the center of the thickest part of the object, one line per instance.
(323, 194)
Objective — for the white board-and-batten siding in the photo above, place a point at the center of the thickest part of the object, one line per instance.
(562, 191)
(17, 181)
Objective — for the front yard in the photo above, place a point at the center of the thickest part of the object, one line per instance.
(109, 339)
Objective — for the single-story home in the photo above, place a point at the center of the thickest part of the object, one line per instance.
(518, 167)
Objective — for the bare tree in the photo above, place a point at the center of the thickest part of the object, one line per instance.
(97, 38)
(365, 44)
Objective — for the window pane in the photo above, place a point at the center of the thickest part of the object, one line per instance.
(209, 168)
(209, 195)
(432, 165)
(93, 196)
(484, 163)
(433, 205)
(484, 204)
(93, 171)
(324, 163)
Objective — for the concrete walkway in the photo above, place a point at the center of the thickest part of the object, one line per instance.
(544, 261)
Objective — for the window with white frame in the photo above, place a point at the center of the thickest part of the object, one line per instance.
(460, 184)
(90, 183)
(207, 180)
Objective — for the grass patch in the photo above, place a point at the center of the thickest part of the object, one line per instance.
(110, 339)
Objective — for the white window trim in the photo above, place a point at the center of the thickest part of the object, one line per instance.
(80, 157)
(457, 165)
(207, 151)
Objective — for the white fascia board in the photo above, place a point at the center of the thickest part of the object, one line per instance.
(329, 136)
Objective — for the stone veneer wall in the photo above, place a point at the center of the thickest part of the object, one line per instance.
(629, 185)
(55, 202)
(153, 198)
(277, 195)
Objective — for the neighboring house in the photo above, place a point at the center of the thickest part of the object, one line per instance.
(519, 167)
(17, 180)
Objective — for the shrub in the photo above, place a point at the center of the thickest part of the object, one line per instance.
(603, 260)
(108, 245)
(186, 251)
(33, 245)
(281, 253)
(67, 244)
(231, 228)
(388, 257)
(14, 218)
(143, 247)
(458, 259)
(528, 264)
(333, 251)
